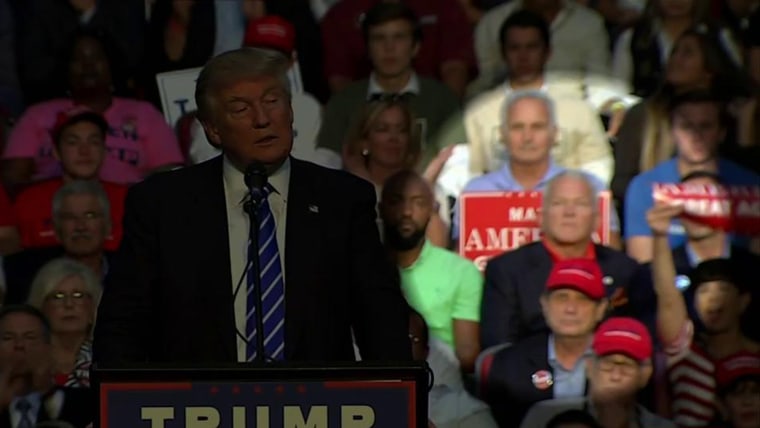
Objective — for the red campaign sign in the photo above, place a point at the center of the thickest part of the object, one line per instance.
(495, 222)
(730, 208)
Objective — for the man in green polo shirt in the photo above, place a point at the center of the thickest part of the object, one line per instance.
(445, 288)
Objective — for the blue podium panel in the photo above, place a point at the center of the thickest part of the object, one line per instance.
(346, 397)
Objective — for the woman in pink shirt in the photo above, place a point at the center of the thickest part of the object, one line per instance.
(139, 140)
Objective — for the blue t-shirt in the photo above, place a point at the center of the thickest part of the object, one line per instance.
(639, 199)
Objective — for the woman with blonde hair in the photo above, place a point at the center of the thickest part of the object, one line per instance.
(67, 292)
(386, 139)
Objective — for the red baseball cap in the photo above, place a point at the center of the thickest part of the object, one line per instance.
(736, 367)
(583, 275)
(623, 335)
(271, 32)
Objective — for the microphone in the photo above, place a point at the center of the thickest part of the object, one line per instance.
(256, 180)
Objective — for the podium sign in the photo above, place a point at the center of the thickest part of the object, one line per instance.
(495, 222)
(344, 397)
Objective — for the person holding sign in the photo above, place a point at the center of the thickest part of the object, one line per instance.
(510, 309)
(529, 132)
(697, 126)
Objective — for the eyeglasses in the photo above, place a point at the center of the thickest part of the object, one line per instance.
(88, 216)
(626, 368)
(59, 297)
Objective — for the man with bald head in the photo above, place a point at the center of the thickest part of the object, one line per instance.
(444, 288)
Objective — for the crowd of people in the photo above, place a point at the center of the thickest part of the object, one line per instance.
(372, 120)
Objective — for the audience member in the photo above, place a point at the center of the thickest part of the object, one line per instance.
(620, 367)
(449, 404)
(393, 36)
(81, 220)
(529, 132)
(696, 62)
(452, 307)
(25, 365)
(9, 236)
(698, 124)
(443, 52)
(579, 42)
(139, 140)
(738, 381)
(581, 141)
(641, 52)
(179, 35)
(79, 145)
(49, 25)
(275, 33)
(514, 280)
(339, 280)
(67, 292)
(704, 242)
(721, 295)
(736, 16)
(550, 365)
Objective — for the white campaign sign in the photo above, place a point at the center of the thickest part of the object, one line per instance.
(177, 90)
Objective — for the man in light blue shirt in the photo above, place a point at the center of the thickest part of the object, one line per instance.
(529, 131)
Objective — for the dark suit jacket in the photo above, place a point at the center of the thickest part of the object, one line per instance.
(21, 268)
(76, 409)
(168, 296)
(516, 279)
(510, 390)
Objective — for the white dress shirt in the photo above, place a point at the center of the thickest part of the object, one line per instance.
(412, 86)
(235, 191)
(35, 401)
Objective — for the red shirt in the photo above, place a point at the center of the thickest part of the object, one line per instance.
(34, 210)
(446, 35)
(589, 254)
(7, 217)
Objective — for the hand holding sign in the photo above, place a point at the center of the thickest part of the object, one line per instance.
(660, 216)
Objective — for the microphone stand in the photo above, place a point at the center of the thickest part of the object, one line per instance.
(252, 208)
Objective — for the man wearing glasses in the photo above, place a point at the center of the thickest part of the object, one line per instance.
(621, 366)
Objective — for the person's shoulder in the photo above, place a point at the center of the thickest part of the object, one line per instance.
(486, 101)
(434, 88)
(733, 173)
(166, 183)
(454, 261)
(535, 343)
(584, 14)
(329, 177)
(353, 92)
(304, 102)
(46, 108)
(517, 258)
(495, 16)
(36, 192)
(343, 10)
(610, 255)
(483, 183)
(662, 171)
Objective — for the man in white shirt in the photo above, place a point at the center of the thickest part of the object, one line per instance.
(581, 141)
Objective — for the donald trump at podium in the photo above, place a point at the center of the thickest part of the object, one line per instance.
(180, 289)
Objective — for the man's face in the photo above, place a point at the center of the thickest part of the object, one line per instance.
(391, 47)
(570, 313)
(697, 132)
(528, 133)
(569, 216)
(22, 339)
(742, 404)
(82, 226)
(406, 213)
(616, 376)
(252, 121)
(719, 306)
(697, 231)
(525, 53)
(81, 150)
(88, 66)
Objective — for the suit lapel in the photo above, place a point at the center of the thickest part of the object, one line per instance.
(209, 222)
(302, 234)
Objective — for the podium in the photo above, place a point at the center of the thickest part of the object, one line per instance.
(355, 395)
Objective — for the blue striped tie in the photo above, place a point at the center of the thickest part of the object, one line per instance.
(272, 289)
